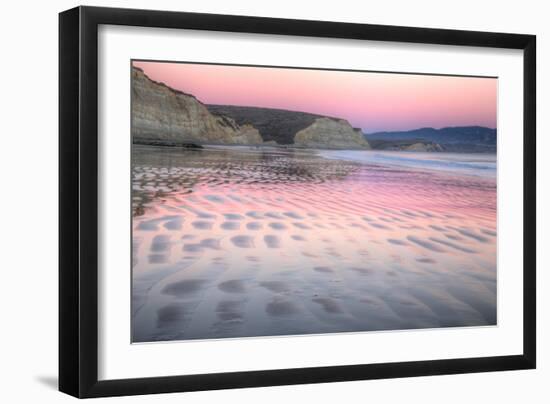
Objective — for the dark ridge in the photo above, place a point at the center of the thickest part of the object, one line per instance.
(466, 139)
(277, 125)
(400, 144)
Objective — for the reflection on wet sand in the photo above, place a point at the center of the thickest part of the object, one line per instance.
(247, 242)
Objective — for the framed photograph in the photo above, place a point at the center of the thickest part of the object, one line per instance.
(251, 201)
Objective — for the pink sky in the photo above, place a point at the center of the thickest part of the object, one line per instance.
(371, 101)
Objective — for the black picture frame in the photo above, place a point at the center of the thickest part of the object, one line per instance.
(78, 201)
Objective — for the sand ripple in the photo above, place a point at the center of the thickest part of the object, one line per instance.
(231, 243)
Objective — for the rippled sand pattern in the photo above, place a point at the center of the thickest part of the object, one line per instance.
(237, 243)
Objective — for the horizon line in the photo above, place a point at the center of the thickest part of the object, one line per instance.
(379, 122)
(335, 117)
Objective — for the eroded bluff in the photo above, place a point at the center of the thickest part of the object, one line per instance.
(163, 115)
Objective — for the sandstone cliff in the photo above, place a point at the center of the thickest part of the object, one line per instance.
(278, 125)
(282, 126)
(162, 115)
(331, 133)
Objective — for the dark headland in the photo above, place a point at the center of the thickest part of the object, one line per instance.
(163, 116)
(460, 139)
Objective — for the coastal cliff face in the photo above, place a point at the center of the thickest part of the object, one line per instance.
(275, 125)
(162, 115)
(331, 133)
(282, 127)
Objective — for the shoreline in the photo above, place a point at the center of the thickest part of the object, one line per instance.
(198, 146)
(479, 165)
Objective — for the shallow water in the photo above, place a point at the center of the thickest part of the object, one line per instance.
(237, 242)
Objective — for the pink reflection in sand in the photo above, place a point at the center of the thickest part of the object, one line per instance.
(238, 242)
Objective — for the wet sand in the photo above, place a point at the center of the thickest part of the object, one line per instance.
(247, 242)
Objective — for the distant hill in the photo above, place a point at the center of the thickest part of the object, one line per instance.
(299, 129)
(468, 139)
(277, 125)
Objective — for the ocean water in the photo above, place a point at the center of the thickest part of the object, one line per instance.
(242, 242)
(476, 164)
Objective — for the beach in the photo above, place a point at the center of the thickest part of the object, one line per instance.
(255, 241)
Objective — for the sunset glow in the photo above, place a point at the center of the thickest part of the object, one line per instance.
(371, 101)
